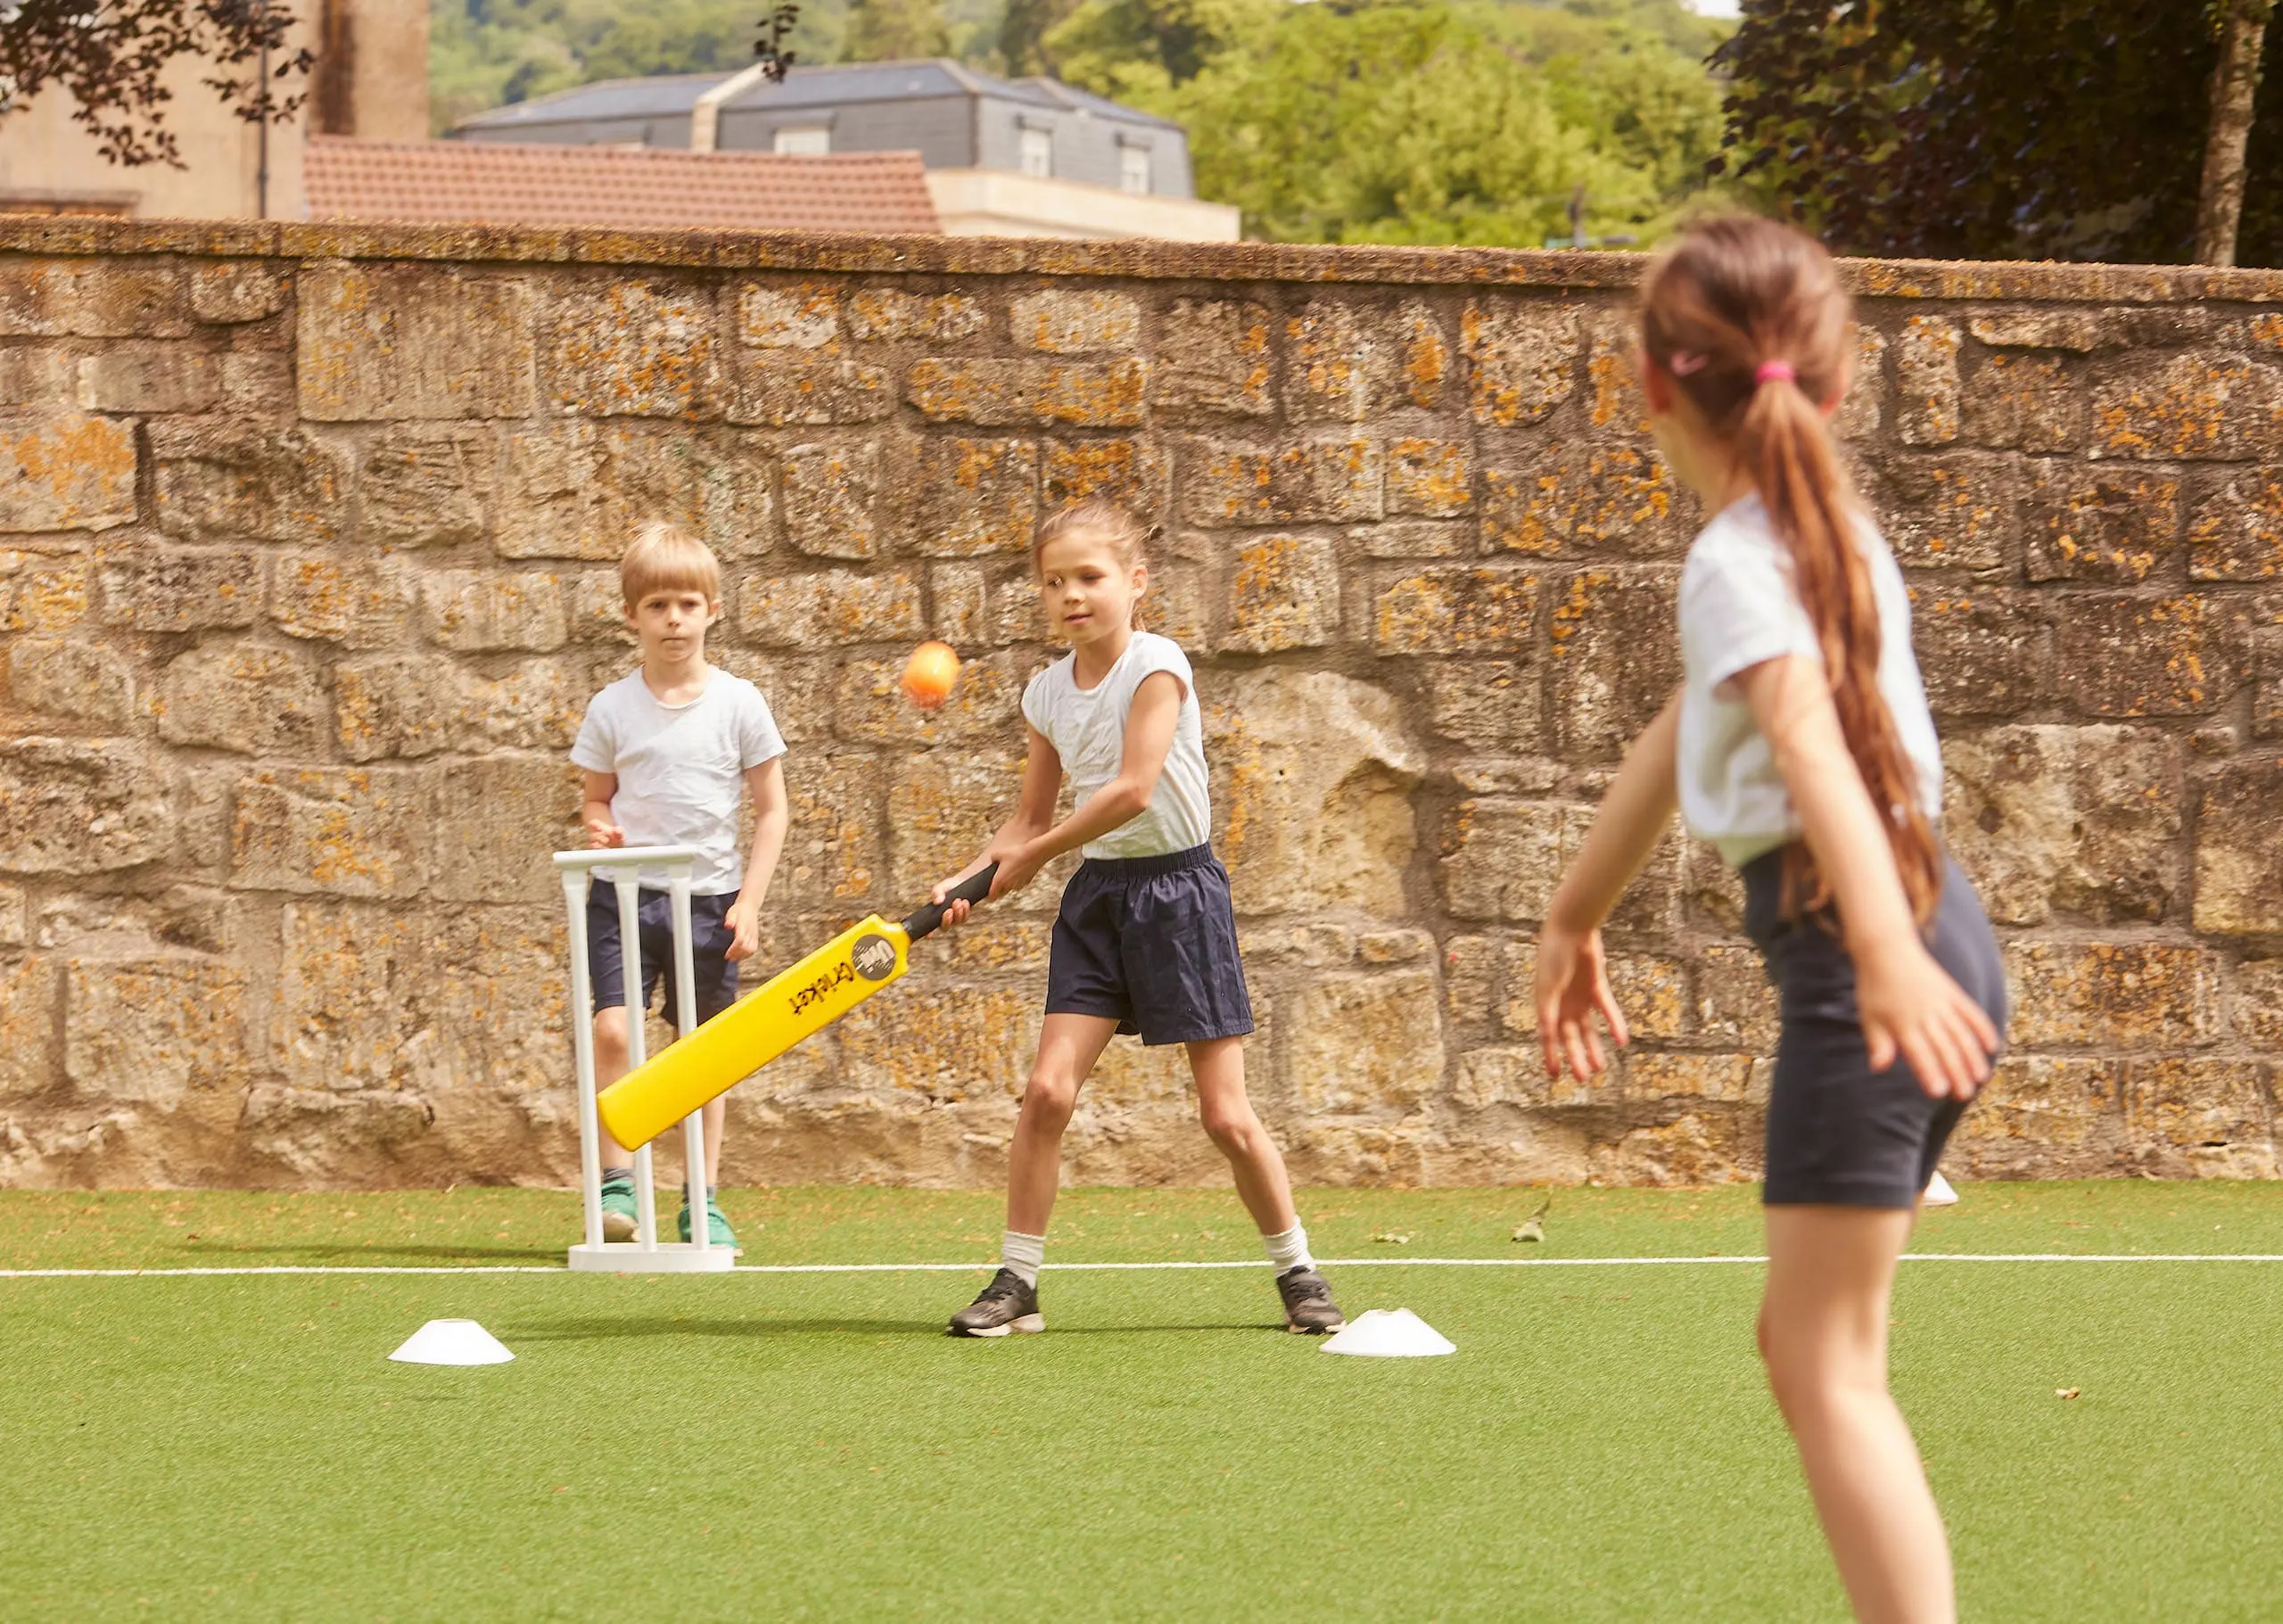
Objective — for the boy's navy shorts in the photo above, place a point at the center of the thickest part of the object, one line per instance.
(1151, 943)
(1840, 1134)
(710, 937)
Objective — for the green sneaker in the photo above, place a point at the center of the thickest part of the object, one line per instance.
(620, 1221)
(718, 1232)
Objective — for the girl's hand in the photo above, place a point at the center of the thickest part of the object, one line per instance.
(743, 920)
(1016, 870)
(1572, 983)
(601, 833)
(1909, 1006)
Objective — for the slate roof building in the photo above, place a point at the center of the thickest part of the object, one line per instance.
(1027, 157)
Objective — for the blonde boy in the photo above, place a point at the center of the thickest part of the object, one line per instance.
(663, 752)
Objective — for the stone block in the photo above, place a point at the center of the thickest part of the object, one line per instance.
(2130, 656)
(1864, 410)
(1070, 322)
(2255, 1007)
(1402, 946)
(30, 1014)
(82, 806)
(1734, 1002)
(1311, 480)
(2043, 1117)
(64, 470)
(942, 806)
(148, 378)
(2025, 403)
(2239, 848)
(1926, 379)
(256, 382)
(480, 611)
(233, 481)
(1521, 357)
(2079, 820)
(1428, 478)
(1213, 356)
(1515, 1077)
(1651, 992)
(1426, 355)
(351, 831)
(42, 591)
(1594, 498)
(1131, 473)
(2191, 408)
(1346, 361)
(835, 861)
(1454, 608)
(496, 819)
(100, 298)
(153, 1030)
(984, 707)
(957, 600)
(382, 341)
(1982, 652)
(1412, 539)
(639, 347)
(236, 291)
(412, 706)
(427, 487)
(1607, 679)
(2076, 331)
(945, 1046)
(1474, 976)
(169, 589)
(976, 497)
(1713, 1144)
(1955, 510)
(1488, 705)
(789, 316)
(1313, 776)
(2102, 525)
(1027, 393)
(788, 389)
(583, 491)
(2203, 1117)
(37, 375)
(2235, 528)
(74, 677)
(1651, 1077)
(1615, 404)
(243, 697)
(358, 603)
(828, 607)
(1364, 1045)
(2117, 995)
(888, 315)
(1283, 592)
(1502, 858)
(831, 497)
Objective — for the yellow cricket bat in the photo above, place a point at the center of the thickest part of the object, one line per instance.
(757, 1029)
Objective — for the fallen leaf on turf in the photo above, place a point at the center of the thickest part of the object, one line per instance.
(1393, 1237)
(2065, 1392)
(1530, 1230)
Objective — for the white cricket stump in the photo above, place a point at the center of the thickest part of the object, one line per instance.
(645, 1254)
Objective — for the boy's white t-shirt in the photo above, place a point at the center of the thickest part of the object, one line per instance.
(1087, 729)
(681, 769)
(1738, 607)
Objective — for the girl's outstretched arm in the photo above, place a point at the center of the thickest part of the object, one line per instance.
(1034, 816)
(1908, 1002)
(1571, 981)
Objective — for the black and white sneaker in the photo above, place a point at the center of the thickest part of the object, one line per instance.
(1309, 1307)
(1006, 1305)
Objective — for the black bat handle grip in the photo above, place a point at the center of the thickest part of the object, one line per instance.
(924, 919)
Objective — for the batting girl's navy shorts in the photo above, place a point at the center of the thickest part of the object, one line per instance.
(1151, 943)
(710, 937)
(1840, 1134)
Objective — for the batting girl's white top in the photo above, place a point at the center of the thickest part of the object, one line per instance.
(681, 769)
(1087, 729)
(1738, 607)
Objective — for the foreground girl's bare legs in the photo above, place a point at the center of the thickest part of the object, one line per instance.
(1225, 1108)
(1068, 1045)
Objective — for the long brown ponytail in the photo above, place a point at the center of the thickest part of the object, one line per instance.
(1748, 319)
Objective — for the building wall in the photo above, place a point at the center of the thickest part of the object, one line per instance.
(308, 573)
(939, 129)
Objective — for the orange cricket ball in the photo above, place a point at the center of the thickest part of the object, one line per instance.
(929, 674)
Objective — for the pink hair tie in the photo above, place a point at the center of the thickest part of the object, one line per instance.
(1776, 372)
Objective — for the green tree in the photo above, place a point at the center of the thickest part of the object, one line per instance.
(1023, 29)
(894, 30)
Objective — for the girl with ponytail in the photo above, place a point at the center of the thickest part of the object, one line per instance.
(1800, 746)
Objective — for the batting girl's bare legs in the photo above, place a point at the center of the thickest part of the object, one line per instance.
(1822, 1332)
(1068, 1045)
(611, 1065)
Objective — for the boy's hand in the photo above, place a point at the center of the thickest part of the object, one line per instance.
(602, 833)
(1572, 983)
(743, 920)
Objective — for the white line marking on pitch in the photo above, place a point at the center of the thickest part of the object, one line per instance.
(1330, 1262)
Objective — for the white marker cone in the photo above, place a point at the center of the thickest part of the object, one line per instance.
(452, 1342)
(1939, 1192)
(1389, 1335)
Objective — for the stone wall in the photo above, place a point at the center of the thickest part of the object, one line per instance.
(308, 573)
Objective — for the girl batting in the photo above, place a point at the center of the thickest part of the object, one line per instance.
(1146, 940)
(1800, 744)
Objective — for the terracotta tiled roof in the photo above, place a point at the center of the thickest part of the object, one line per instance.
(514, 183)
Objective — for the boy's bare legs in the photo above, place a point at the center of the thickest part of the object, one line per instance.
(1226, 1109)
(1822, 1332)
(1068, 1045)
(611, 1064)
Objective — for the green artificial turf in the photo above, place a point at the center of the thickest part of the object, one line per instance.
(812, 1446)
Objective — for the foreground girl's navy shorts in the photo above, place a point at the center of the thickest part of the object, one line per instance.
(1840, 1134)
(1151, 943)
(710, 937)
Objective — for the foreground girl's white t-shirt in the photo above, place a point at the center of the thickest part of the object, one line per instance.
(1087, 729)
(1739, 607)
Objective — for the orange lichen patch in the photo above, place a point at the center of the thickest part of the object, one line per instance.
(1572, 608)
(1457, 609)
(42, 593)
(65, 471)
(1120, 470)
(803, 316)
(1425, 360)
(1432, 477)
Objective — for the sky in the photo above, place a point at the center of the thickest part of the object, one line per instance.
(1715, 8)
